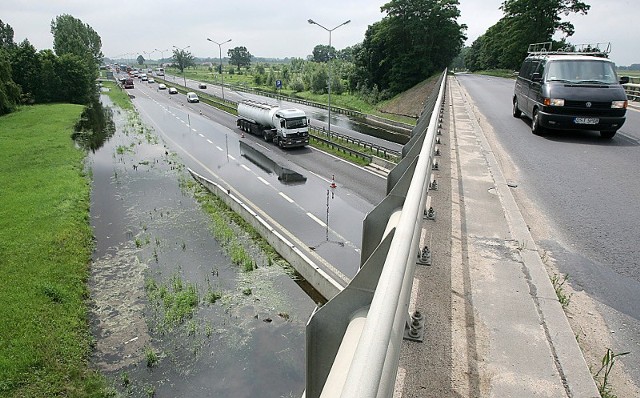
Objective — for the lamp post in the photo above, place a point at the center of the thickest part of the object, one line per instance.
(220, 49)
(161, 56)
(312, 22)
(183, 74)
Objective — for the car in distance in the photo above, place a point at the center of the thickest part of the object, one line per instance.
(192, 97)
(202, 85)
(173, 90)
(151, 80)
(127, 83)
(162, 86)
(570, 89)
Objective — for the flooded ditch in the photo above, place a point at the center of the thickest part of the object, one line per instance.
(185, 302)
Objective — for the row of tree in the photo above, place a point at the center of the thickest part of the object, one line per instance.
(504, 45)
(65, 74)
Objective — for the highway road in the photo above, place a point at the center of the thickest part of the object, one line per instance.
(580, 195)
(300, 198)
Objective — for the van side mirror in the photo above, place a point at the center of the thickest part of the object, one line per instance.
(624, 79)
(536, 77)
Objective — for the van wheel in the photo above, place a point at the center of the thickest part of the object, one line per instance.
(516, 112)
(535, 123)
(607, 134)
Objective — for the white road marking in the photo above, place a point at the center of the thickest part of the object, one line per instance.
(316, 219)
(265, 182)
(209, 141)
(286, 197)
(200, 134)
(245, 167)
(220, 149)
(231, 157)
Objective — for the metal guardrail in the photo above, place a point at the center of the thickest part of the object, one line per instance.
(378, 149)
(353, 341)
(633, 88)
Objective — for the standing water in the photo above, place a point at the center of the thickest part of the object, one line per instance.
(173, 315)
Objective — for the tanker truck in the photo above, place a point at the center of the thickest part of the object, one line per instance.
(286, 127)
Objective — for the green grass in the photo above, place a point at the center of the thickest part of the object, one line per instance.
(45, 341)
(118, 95)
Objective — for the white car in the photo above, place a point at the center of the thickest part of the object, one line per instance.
(192, 97)
(162, 86)
(151, 80)
(173, 90)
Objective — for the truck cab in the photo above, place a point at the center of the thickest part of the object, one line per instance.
(292, 128)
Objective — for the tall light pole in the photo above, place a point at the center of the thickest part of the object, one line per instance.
(161, 56)
(183, 73)
(220, 49)
(312, 22)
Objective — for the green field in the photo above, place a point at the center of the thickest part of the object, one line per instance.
(45, 341)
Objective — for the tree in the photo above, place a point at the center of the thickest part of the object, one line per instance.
(414, 40)
(323, 53)
(183, 59)
(25, 65)
(6, 36)
(72, 36)
(140, 60)
(9, 91)
(504, 45)
(239, 56)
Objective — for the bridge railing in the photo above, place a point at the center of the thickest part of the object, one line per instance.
(633, 88)
(353, 341)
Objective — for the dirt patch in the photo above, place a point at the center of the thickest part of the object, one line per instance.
(411, 102)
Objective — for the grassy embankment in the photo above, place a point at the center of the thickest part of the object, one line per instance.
(45, 340)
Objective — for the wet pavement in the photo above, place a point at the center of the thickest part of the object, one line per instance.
(172, 315)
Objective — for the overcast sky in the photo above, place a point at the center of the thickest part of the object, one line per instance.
(276, 28)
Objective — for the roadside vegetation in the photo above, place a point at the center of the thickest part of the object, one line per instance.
(44, 257)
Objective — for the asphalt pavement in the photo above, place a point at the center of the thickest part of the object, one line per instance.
(508, 335)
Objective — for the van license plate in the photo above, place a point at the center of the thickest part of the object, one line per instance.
(586, 120)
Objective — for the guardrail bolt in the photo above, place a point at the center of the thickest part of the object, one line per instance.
(437, 140)
(434, 185)
(439, 132)
(424, 257)
(430, 214)
(437, 152)
(414, 328)
(435, 166)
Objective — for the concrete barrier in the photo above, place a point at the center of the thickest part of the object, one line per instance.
(327, 280)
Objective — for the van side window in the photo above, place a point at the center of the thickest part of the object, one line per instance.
(540, 68)
(526, 65)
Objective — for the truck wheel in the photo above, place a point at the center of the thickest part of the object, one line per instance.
(607, 134)
(516, 112)
(280, 143)
(265, 135)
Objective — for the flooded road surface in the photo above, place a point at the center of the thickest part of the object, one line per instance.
(173, 315)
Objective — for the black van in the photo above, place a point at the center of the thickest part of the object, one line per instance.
(570, 90)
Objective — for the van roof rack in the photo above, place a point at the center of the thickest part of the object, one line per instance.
(592, 49)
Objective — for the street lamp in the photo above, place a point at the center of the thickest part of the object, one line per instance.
(161, 56)
(312, 22)
(220, 49)
(183, 73)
